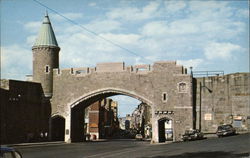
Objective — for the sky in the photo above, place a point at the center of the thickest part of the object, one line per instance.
(207, 35)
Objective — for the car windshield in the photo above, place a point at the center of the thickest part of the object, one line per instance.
(224, 127)
(189, 131)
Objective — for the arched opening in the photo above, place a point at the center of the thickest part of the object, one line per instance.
(57, 128)
(165, 129)
(84, 128)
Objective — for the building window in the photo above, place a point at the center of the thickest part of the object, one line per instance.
(182, 87)
(47, 68)
(164, 96)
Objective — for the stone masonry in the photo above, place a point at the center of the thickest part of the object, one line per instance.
(165, 87)
(224, 100)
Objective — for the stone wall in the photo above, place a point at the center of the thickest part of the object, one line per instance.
(45, 59)
(24, 113)
(225, 100)
(164, 86)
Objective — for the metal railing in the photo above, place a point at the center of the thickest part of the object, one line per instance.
(207, 73)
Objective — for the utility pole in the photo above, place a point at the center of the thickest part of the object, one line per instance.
(210, 91)
(200, 108)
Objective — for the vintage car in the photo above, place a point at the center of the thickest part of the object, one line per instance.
(7, 152)
(138, 137)
(193, 134)
(225, 130)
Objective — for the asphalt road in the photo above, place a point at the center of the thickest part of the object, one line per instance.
(227, 147)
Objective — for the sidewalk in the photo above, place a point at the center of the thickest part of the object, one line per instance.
(210, 135)
(34, 144)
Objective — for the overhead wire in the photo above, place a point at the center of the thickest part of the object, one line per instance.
(90, 31)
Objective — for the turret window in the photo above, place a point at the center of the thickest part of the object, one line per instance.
(47, 68)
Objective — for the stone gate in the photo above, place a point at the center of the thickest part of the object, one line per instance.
(164, 86)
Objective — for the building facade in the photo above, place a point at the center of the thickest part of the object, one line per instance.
(25, 112)
(102, 119)
(141, 120)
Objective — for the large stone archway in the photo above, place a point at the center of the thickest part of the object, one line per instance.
(77, 107)
(165, 87)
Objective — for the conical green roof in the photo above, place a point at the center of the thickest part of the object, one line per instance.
(46, 36)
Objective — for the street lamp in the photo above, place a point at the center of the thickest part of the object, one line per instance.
(210, 91)
(191, 70)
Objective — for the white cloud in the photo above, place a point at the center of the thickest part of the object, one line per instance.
(174, 6)
(33, 26)
(207, 5)
(31, 40)
(159, 28)
(220, 50)
(152, 7)
(154, 29)
(79, 49)
(124, 39)
(15, 62)
(243, 13)
(100, 26)
(70, 29)
(92, 4)
(210, 22)
(133, 13)
(194, 63)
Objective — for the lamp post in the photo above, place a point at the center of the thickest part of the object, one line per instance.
(191, 70)
(200, 109)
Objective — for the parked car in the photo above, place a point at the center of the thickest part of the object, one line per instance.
(138, 137)
(193, 134)
(6, 152)
(225, 130)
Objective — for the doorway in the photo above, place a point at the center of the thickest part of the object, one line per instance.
(58, 127)
(165, 129)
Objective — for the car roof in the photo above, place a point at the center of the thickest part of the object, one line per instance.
(226, 125)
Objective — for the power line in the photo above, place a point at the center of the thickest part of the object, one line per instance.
(90, 31)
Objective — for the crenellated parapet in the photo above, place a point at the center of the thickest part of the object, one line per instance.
(118, 67)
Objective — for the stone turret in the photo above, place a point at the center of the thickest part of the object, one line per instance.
(45, 56)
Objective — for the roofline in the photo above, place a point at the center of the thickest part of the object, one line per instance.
(45, 46)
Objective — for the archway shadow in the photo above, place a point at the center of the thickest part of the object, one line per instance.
(78, 110)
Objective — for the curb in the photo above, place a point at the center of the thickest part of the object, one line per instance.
(34, 144)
